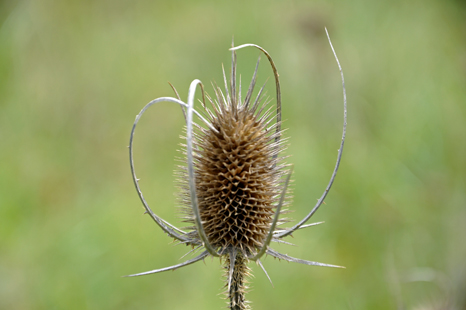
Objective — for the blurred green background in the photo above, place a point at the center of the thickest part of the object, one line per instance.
(75, 73)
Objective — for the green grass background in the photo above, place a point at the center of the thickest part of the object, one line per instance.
(75, 73)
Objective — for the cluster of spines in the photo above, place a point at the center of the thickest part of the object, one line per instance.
(238, 174)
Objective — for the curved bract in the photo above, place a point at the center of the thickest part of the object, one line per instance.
(277, 84)
(274, 223)
(340, 152)
(166, 227)
(192, 186)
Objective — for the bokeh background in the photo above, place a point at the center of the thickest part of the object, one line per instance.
(75, 73)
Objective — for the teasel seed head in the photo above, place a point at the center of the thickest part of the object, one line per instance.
(233, 182)
(238, 178)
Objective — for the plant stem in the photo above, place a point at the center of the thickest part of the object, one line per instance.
(238, 287)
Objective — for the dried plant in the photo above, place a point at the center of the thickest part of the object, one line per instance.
(233, 182)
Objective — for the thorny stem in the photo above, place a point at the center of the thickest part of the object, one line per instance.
(238, 287)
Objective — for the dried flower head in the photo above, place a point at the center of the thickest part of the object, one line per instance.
(233, 183)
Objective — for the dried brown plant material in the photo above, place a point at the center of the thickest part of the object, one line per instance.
(234, 182)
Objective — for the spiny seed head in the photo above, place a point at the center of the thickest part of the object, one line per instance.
(237, 173)
(231, 182)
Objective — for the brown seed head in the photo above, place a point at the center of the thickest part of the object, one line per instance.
(232, 187)
(237, 179)
(236, 170)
